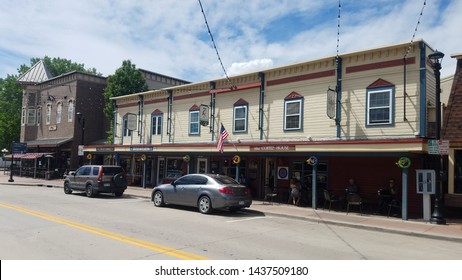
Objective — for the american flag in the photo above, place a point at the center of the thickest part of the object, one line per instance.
(223, 136)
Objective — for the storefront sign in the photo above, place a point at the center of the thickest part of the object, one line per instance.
(275, 148)
(204, 115)
(141, 148)
(105, 149)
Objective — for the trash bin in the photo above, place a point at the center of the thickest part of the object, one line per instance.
(48, 175)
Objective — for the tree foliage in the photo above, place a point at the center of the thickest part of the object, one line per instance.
(10, 111)
(126, 80)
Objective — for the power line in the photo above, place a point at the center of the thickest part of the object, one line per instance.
(415, 30)
(215, 46)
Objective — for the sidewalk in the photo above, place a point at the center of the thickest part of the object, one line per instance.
(452, 231)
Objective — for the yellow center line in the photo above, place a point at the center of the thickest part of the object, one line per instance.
(112, 235)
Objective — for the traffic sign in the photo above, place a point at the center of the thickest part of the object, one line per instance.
(438, 147)
(432, 147)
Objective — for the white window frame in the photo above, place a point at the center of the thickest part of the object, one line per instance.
(386, 121)
(299, 114)
(237, 119)
(48, 118)
(59, 112)
(125, 130)
(194, 114)
(31, 115)
(39, 116)
(156, 124)
(70, 111)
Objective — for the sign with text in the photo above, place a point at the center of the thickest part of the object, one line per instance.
(204, 115)
(273, 148)
(19, 148)
(438, 147)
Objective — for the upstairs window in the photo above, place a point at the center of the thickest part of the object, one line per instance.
(31, 114)
(70, 111)
(380, 107)
(59, 112)
(126, 131)
(48, 118)
(39, 116)
(156, 121)
(240, 116)
(293, 109)
(194, 122)
(23, 116)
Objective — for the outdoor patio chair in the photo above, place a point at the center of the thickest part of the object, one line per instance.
(270, 196)
(354, 199)
(394, 204)
(328, 198)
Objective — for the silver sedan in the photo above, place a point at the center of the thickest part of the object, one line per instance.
(204, 191)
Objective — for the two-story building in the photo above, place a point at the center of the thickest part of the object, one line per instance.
(356, 114)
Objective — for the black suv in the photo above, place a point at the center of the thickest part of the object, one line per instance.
(94, 179)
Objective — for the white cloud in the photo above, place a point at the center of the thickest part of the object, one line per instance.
(249, 66)
(170, 37)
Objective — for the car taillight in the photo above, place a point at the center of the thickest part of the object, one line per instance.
(226, 190)
(100, 175)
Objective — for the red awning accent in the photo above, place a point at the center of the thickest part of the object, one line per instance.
(26, 156)
(239, 87)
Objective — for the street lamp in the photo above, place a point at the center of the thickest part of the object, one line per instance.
(4, 151)
(435, 58)
(81, 120)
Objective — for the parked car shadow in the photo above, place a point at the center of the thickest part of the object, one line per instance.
(103, 195)
(245, 212)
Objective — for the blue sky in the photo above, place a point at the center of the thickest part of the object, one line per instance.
(170, 36)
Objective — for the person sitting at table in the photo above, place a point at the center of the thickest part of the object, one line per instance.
(387, 194)
(352, 187)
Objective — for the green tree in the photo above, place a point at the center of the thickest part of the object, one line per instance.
(126, 80)
(10, 111)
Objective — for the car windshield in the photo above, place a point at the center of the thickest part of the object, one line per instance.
(225, 180)
(113, 170)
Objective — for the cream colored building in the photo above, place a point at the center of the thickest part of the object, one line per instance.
(357, 114)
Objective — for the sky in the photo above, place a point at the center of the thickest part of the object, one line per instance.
(170, 37)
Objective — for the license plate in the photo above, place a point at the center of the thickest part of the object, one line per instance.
(107, 184)
(242, 202)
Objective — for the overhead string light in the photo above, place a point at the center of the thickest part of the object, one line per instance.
(338, 28)
(215, 47)
(415, 30)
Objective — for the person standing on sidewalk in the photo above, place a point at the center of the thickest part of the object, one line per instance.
(295, 188)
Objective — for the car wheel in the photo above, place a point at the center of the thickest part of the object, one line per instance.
(118, 194)
(205, 205)
(89, 191)
(120, 180)
(67, 188)
(158, 199)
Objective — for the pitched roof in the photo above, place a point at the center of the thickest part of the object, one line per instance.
(36, 74)
(452, 121)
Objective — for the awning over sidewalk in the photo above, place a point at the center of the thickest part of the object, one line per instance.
(26, 156)
(55, 142)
